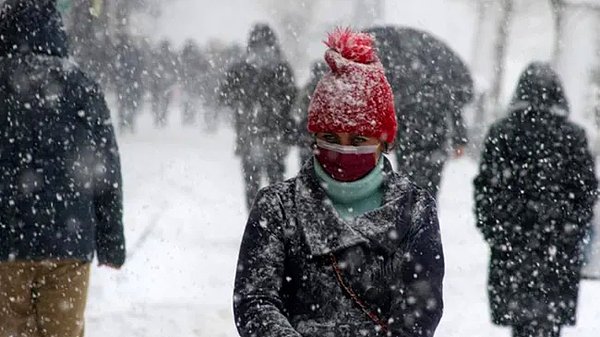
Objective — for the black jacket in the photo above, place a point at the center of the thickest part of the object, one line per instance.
(391, 257)
(261, 90)
(534, 196)
(60, 183)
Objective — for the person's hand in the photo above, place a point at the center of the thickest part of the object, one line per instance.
(459, 151)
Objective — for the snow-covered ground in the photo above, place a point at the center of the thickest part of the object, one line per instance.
(184, 216)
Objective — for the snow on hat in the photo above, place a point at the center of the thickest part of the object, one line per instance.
(355, 97)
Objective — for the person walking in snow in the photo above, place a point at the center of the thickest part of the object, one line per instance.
(432, 85)
(193, 72)
(163, 79)
(128, 82)
(261, 91)
(533, 200)
(304, 139)
(60, 183)
(348, 247)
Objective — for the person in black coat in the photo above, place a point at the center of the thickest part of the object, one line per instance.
(534, 196)
(261, 91)
(193, 71)
(163, 80)
(60, 183)
(128, 82)
(432, 86)
(348, 247)
(304, 139)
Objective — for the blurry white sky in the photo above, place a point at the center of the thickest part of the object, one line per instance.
(230, 20)
(451, 20)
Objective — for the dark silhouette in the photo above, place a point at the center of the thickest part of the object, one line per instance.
(431, 87)
(261, 90)
(60, 183)
(534, 196)
(162, 82)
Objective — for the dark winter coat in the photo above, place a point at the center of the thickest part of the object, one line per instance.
(391, 257)
(534, 196)
(60, 183)
(261, 90)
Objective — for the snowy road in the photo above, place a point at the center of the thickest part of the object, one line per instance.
(184, 218)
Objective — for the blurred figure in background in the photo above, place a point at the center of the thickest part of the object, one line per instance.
(534, 197)
(163, 80)
(261, 91)
(60, 183)
(304, 139)
(128, 82)
(220, 59)
(193, 69)
(431, 86)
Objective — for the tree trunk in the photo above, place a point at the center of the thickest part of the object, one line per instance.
(558, 9)
(500, 48)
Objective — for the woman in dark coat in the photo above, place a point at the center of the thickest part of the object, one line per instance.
(534, 196)
(348, 247)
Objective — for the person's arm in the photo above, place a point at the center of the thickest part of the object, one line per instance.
(258, 308)
(583, 186)
(108, 195)
(417, 305)
(497, 204)
(488, 188)
(286, 97)
(459, 130)
(459, 98)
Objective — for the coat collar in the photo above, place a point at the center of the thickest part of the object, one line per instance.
(325, 231)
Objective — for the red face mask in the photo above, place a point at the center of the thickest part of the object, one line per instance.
(346, 163)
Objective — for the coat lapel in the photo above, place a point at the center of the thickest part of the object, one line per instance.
(325, 232)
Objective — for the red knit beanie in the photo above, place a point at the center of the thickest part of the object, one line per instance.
(355, 97)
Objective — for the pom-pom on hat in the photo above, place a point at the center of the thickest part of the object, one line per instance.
(355, 97)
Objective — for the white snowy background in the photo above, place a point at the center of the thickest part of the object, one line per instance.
(184, 206)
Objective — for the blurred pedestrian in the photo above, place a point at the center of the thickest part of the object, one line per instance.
(303, 138)
(261, 90)
(534, 197)
(163, 80)
(432, 85)
(60, 183)
(193, 70)
(348, 247)
(128, 82)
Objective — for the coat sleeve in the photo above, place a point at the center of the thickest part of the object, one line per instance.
(287, 93)
(583, 187)
(108, 196)
(417, 307)
(496, 203)
(459, 130)
(257, 305)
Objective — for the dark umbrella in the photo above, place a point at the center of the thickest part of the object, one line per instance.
(415, 61)
(428, 78)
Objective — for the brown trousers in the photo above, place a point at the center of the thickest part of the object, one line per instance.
(43, 299)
